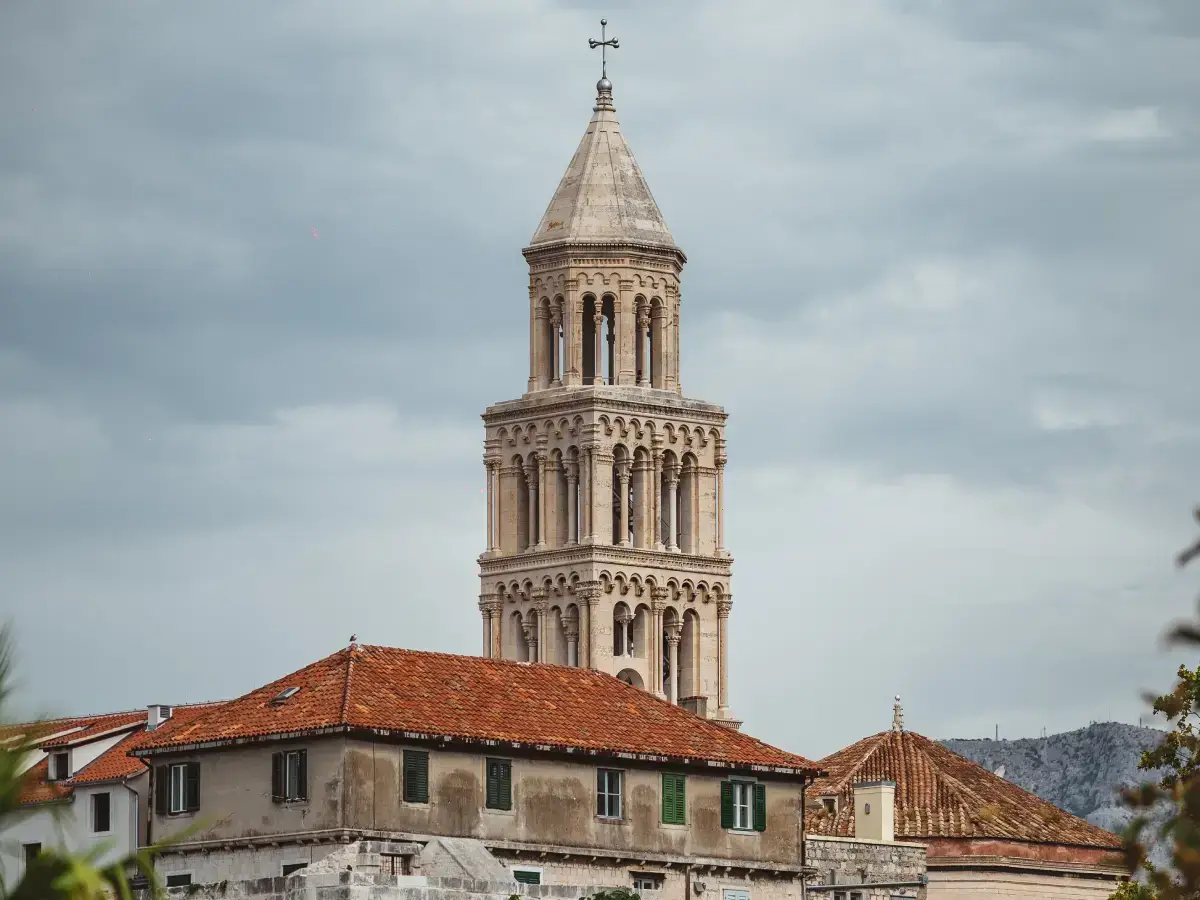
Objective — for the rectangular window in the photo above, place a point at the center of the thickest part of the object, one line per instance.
(735, 894)
(394, 864)
(289, 776)
(60, 766)
(289, 868)
(608, 793)
(183, 787)
(182, 880)
(32, 852)
(416, 776)
(743, 806)
(647, 881)
(674, 799)
(527, 876)
(498, 794)
(101, 813)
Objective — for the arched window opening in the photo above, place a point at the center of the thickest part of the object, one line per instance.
(688, 505)
(669, 503)
(671, 635)
(522, 505)
(557, 342)
(640, 527)
(608, 308)
(641, 357)
(657, 346)
(622, 497)
(639, 631)
(629, 676)
(590, 339)
(571, 630)
(516, 645)
(558, 651)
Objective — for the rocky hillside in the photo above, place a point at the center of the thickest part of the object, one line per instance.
(1078, 771)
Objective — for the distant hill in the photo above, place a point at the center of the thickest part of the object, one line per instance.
(1079, 771)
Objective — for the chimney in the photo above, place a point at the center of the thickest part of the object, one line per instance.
(875, 811)
(697, 706)
(156, 714)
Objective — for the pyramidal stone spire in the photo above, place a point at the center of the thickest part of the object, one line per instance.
(603, 197)
(897, 716)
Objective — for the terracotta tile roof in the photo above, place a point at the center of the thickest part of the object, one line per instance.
(37, 787)
(472, 698)
(941, 795)
(113, 764)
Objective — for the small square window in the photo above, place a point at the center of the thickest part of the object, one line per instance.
(181, 880)
(60, 766)
(647, 881)
(101, 813)
(830, 804)
(394, 864)
(608, 793)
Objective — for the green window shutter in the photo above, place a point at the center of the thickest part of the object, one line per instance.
(416, 776)
(760, 807)
(491, 790)
(726, 804)
(303, 779)
(162, 789)
(524, 876)
(192, 793)
(505, 790)
(674, 801)
(277, 777)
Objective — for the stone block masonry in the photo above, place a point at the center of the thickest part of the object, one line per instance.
(875, 870)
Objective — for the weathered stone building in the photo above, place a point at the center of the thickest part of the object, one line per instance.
(605, 538)
(567, 775)
(984, 836)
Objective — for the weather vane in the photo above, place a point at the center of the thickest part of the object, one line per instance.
(603, 45)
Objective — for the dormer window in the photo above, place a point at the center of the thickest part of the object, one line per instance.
(830, 805)
(60, 766)
(285, 695)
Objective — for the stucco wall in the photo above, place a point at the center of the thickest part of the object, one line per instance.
(553, 803)
(68, 825)
(1000, 885)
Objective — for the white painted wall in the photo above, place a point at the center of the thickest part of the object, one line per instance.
(71, 828)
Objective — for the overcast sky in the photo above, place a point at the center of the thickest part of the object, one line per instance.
(260, 272)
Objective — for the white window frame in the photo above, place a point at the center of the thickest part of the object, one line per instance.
(745, 791)
(96, 796)
(655, 880)
(177, 795)
(609, 794)
(292, 789)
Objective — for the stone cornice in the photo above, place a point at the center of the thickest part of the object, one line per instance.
(604, 398)
(560, 252)
(605, 553)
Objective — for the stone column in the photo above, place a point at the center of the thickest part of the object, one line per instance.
(571, 331)
(542, 604)
(657, 604)
(656, 500)
(598, 319)
(572, 470)
(531, 641)
(720, 505)
(485, 611)
(623, 319)
(723, 608)
(542, 493)
(533, 342)
(531, 489)
(622, 622)
(674, 632)
(643, 334)
(588, 594)
(672, 477)
(585, 496)
(623, 473)
(493, 524)
(497, 636)
(555, 355)
(571, 627)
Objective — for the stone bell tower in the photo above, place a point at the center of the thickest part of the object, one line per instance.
(604, 484)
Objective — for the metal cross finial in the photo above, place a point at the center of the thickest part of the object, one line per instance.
(603, 45)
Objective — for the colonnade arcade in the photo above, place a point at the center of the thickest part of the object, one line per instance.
(639, 497)
(601, 339)
(582, 625)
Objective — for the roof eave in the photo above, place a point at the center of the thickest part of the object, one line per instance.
(799, 772)
(567, 243)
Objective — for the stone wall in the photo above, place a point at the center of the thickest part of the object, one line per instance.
(1017, 885)
(878, 870)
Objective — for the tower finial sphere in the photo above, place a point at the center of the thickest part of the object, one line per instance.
(604, 86)
(604, 21)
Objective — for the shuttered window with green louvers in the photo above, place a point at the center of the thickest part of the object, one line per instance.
(499, 784)
(674, 799)
(416, 776)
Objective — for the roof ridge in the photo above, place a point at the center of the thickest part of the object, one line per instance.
(346, 685)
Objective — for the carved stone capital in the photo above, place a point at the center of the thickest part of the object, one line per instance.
(659, 597)
(720, 461)
(541, 600)
(671, 474)
(674, 632)
(723, 607)
(588, 591)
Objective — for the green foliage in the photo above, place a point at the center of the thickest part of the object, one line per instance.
(56, 874)
(615, 894)
(1169, 810)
